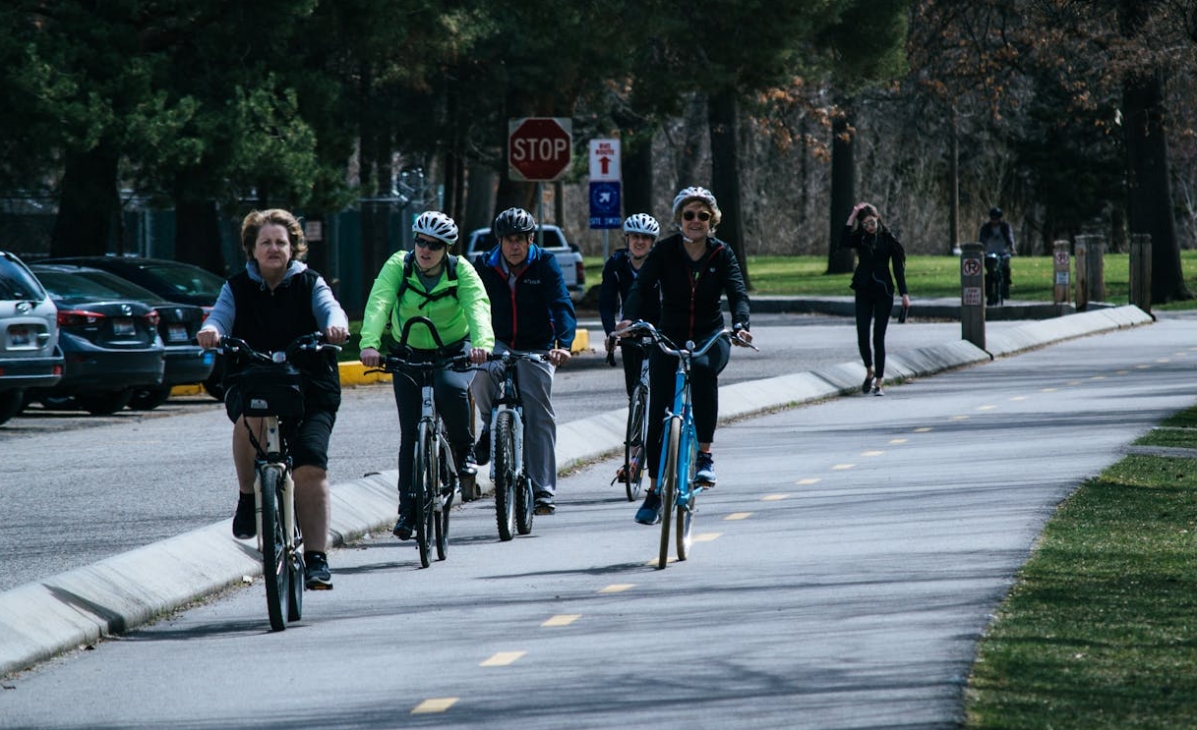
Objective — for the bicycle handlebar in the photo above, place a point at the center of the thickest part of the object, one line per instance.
(513, 355)
(690, 350)
(314, 342)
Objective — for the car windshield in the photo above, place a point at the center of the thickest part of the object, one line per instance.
(122, 287)
(63, 285)
(187, 279)
(16, 283)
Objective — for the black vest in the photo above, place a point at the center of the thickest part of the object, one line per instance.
(272, 320)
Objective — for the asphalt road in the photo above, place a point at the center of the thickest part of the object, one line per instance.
(81, 488)
(844, 569)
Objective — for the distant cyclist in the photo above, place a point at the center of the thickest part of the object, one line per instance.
(640, 231)
(274, 301)
(530, 311)
(998, 238)
(428, 282)
(693, 271)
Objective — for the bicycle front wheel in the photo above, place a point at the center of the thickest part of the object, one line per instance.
(668, 486)
(425, 484)
(506, 474)
(687, 499)
(444, 503)
(275, 572)
(634, 440)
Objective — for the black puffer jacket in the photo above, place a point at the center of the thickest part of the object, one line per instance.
(878, 252)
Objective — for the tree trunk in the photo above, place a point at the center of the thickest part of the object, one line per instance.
(694, 126)
(724, 125)
(480, 197)
(843, 188)
(89, 204)
(637, 152)
(1149, 188)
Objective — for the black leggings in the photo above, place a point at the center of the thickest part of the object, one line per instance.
(873, 308)
(452, 392)
(704, 391)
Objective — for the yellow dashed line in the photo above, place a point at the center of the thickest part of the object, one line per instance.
(437, 704)
(1164, 359)
(503, 658)
(616, 588)
(872, 453)
(1098, 377)
(808, 481)
(897, 441)
(923, 429)
(1142, 367)
(1048, 390)
(1019, 397)
(986, 408)
(1074, 382)
(774, 497)
(1122, 372)
(562, 619)
(959, 418)
(842, 467)
(738, 516)
(707, 536)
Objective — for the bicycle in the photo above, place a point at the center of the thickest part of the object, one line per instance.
(679, 443)
(514, 505)
(631, 472)
(270, 388)
(434, 481)
(995, 273)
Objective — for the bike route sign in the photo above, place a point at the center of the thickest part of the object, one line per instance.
(605, 204)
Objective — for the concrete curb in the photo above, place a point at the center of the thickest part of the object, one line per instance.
(43, 619)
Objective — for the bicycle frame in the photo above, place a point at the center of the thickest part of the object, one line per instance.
(514, 507)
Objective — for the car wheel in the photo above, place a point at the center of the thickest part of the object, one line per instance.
(149, 399)
(58, 402)
(105, 404)
(12, 402)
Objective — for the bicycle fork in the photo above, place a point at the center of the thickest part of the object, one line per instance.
(274, 447)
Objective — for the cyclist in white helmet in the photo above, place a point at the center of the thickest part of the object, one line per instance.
(429, 282)
(693, 271)
(640, 231)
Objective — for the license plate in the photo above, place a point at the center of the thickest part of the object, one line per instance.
(20, 336)
(123, 326)
(177, 333)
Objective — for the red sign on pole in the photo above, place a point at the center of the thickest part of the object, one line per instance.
(538, 148)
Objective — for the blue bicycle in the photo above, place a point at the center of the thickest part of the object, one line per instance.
(679, 442)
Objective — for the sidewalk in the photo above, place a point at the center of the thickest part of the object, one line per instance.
(42, 619)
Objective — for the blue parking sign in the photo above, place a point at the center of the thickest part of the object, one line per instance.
(605, 205)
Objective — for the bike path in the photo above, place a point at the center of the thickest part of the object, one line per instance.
(42, 619)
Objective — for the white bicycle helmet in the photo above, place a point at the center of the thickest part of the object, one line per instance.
(512, 221)
(436, 225)
(695, 193)
(642, 223)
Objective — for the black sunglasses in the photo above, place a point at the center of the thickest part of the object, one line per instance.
(433, 245)
(702, 215)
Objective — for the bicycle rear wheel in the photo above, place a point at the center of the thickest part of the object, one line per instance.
(444, 503)
(634, 439)
(425, 483)
(506, 471)
(687, 502)
(275, 571)
(668, 487)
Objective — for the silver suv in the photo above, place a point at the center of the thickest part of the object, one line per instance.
(29, 353)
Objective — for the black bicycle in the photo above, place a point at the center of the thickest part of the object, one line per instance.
(270, 391)
(434, 483)
(631, 472)
(514, 505)
(995, 277)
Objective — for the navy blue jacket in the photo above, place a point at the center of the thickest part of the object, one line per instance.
(538, 313)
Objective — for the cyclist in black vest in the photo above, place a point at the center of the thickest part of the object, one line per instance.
(428, 282)
(275, 300)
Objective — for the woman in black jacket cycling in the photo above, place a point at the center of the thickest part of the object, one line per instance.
(877, 250)
(693, 270)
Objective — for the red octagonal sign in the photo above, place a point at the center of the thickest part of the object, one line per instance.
(538, 148)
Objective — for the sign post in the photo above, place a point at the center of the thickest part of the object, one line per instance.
(972, 293)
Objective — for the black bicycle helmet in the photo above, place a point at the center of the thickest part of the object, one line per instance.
(995, 212)
(512, 221)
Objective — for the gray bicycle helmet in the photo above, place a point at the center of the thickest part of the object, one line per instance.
(642, 223)
(436, 225)
(512, 221)
(695, 193)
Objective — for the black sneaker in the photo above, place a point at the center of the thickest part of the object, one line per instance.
(245, 522)
(403, 527)
(317, 576)
(544, 506)
(482, 449)
(649, 512)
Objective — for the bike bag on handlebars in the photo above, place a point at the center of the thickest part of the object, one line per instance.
(266, 390)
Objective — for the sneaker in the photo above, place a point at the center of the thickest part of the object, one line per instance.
(404, 526)
(482, 449)
(877, 390)
(705, 469)
(545, 505)
(316, 575)
(245, 522)
(868, 383)
(649, 512)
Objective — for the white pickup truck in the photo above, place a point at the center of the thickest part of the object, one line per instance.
(552, 240)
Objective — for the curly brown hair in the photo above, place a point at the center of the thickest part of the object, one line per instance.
(256, 219)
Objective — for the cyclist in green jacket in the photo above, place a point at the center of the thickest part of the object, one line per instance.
(428, 282)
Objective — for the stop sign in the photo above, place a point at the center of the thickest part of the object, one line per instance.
(538, 148)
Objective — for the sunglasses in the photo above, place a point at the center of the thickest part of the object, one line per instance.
(701, 215)
(430, 245)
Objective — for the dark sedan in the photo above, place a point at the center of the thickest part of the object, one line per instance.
(174, 281)
(110, 346)
(186, 361)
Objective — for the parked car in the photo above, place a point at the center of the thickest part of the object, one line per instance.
(551, 239)
(110, 345)
(174, 281)
(186, 361)
(29, 354)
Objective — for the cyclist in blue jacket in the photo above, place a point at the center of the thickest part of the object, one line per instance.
(530, 311)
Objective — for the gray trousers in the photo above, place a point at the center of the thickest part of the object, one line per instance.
(540, 421)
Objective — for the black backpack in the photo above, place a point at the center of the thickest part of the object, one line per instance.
(408, 264)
